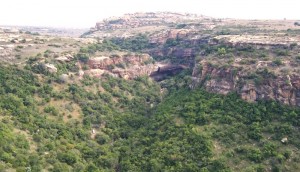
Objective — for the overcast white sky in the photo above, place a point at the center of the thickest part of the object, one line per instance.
(85, 13)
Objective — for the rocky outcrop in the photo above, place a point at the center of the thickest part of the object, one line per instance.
(215, 80)
(125, 66)
(281, 89)
(100, 62)
(135, 71)
(163, 36)
(105, 62)
(50, 67)
(185, 49)
(284, 89)
(6, 52)
(94, 72)
(65, 58)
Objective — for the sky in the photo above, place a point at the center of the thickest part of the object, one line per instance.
(85, 13)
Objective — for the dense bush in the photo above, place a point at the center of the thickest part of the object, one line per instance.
(136, 43)
(127, 126)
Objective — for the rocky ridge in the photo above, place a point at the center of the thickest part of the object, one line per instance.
(183, 38)
(145, 19)
(259, 40)
(131, 24)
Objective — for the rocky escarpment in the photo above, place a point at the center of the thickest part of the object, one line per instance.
(127, 66)
(132, 24)
(284, 89)
(144, 19)
(130, 66)
(257, 64)
(180, 45)
(258, 40)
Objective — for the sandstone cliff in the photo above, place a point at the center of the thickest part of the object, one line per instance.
(126, 66)
(284, 89)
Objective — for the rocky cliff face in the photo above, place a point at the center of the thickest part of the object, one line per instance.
(184, 46)
(284, 89)
(173, 52)
(125, 66)
(163, 36)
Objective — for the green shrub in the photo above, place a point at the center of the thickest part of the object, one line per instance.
(83, 57)
(181, 26)
(280, 52)
(221, 51)
(51, 109)
(277, 62)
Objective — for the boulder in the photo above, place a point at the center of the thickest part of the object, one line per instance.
(284, 140)
(51, 68)
(65, 58)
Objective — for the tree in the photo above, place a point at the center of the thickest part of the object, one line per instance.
(83, 57)
(68, 157)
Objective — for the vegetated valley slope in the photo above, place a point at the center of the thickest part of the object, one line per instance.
(152, 92)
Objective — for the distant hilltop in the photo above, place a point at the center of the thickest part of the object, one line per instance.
(145, 19)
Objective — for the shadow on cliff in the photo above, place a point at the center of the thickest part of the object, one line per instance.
(167, 71)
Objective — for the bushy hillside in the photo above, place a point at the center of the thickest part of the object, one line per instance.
(141, 95)
(119, 125)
